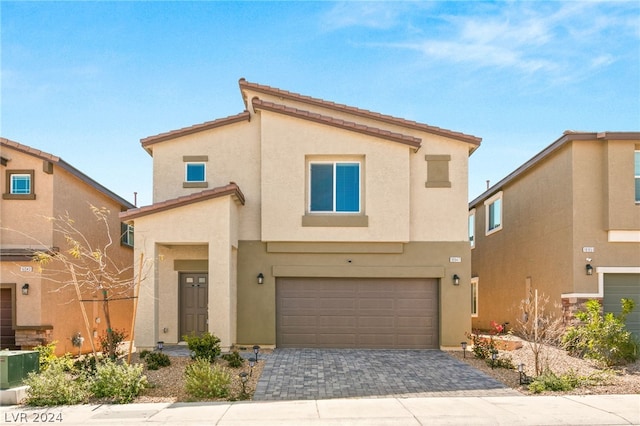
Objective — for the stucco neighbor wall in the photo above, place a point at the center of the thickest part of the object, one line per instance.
(257, 303)
(165, 237)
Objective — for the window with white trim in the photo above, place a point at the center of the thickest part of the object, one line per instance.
(19, 185)
(126, 237)
(637, 175)
(493, 214)
(195, 172)
(474, 296)
(334, 187)
(472, 228)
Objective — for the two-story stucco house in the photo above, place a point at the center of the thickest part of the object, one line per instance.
(37, 309)
(565, 223)
(305, 223)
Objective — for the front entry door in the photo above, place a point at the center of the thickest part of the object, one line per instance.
(193, 303)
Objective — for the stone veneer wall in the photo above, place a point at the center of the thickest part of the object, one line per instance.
(570, 305)
(29, 337)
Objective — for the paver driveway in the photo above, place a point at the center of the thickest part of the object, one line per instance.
(294, 374)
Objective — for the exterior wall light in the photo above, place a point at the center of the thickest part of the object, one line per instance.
(260, 278)
(25, 289)
(456, 279)
(589, 269)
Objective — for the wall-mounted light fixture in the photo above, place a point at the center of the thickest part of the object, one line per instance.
(589, 269)
(25, 289)
(260, 278)
(456, 279)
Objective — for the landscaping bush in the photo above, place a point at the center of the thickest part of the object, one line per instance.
(206, 346)
(234, 359)
(482, 348)
(57, 385)
(155, 360)
(120, 382)
(552, 382)
(505, 362)
(88, 364)
(603, 338)
(110, 342)
(202, 380)
(46, 355)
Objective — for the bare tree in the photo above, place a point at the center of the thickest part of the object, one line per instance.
(540, 327)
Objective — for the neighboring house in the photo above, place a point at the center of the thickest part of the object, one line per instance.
(36, 310)
(305, 223)
(567, 224)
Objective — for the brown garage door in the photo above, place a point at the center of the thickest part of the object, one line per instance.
(357, 313)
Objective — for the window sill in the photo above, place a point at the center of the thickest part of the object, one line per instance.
(335, 220)
(493, 231)
(18, 196)
(195, 185)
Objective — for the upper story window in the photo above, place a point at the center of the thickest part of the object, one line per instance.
(493, 213)
(19, 185)
(637, 175)
(472, 228)
(195, 171)
(126, 237)
(334, 187)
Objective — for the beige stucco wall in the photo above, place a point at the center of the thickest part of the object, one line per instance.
(621, 213)
(167, 236)
(257, 303)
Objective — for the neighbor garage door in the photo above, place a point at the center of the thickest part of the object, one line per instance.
(357, 313)
(617, 286)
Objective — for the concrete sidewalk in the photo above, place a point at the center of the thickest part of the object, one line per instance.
(495, 410)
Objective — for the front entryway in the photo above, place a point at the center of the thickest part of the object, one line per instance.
(357, 313)
(7, 333)
(194, 306)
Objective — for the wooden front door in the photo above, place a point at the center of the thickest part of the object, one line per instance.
(194, 293)
(7, 333)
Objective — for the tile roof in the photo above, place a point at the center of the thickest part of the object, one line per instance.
(4, 142)
(232, 189)
(244, 84)
(331, 121)
(150, 140)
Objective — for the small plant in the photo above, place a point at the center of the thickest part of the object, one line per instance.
(144, 353)
(206, 346)
(482, 348)
(155, 360)
(603, 338)
(552, 382)
(110, 342)
(120, 382)
(234, 359)
(505, 362)
(46, 354)
(496, 328)
(56, 385)
(202, 380)
(88, 364)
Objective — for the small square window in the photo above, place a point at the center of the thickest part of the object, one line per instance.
(195, 172)
(19, 185)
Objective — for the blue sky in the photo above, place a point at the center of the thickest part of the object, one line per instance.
(87, 80)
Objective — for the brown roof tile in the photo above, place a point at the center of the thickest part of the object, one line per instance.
(221, 191)
(348, 125)
(244, 84)
(150, 140)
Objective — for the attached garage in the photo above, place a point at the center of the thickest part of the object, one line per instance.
(357, 313)
(618, 286)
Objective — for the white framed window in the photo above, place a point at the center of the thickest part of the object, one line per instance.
(493, 214)
(334, 187)
(637, 174)
(20, 184)
(195, 172)
(126, 237)
(474, 296)
(472, 227)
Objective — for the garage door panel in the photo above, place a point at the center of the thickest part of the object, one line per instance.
(618, 286)
(352, 313)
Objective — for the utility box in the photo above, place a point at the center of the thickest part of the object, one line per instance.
(16, 365)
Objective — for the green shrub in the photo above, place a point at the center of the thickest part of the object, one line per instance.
(110, 342)
(482, 348)
(552, 382)
(206, 346)
(120, 382)
(56, 385)
(505, 362)
(144, 354)
(603, 338)
(202, 380)
(88, 364)
(234, 359)
(155, 360)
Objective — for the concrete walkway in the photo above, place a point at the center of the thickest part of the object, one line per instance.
(303, 374)
(510, 410)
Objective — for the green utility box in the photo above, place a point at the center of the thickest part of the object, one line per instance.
(16, 365)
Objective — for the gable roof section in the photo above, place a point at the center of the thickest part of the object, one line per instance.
(228, 190)
(347, 125)
(473, 140)
(567, 136)
(67, 167)
(148, 141)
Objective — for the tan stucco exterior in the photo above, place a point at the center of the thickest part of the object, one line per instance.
(561, 211)
(51, 310)
(411, 223)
